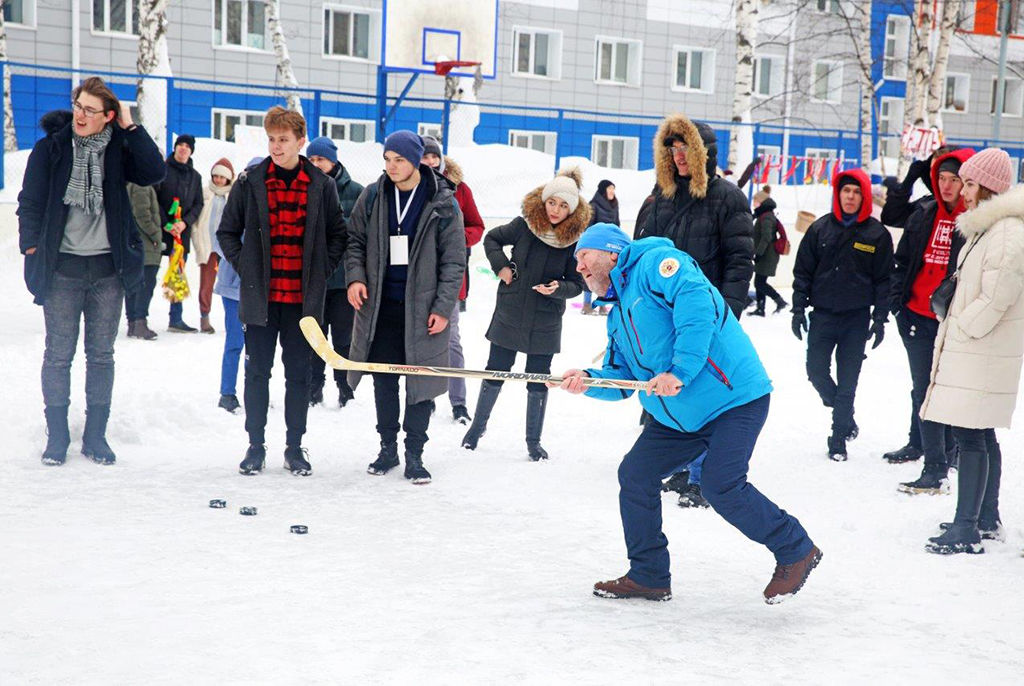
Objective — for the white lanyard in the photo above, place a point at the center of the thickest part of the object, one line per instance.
(398, 207)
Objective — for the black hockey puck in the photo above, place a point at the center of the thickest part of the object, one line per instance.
(218, 504)
(249, 511)
(300, 529)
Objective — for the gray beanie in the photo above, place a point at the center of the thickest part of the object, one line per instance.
(565, 186)
(431, 146)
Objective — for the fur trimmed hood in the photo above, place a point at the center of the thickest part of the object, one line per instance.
(702, 149)
(452, 171)
(569, 230)
(988, 212)
(54, 121)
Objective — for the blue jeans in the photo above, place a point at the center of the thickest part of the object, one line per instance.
(234, 342)
(729, 440)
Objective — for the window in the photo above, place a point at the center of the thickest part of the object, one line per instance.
(827, 82)
(890, 126)
(114, 16)
(225, 121)
(1015, 163)
(829, 6)
(764, 151)
(820, 153)
(239, 23)
(20, 12)
(536, 52)
(615, 152)
(354, 130)
(897, 47)
(694, 70)
(617, 61)
(1013, 98)
(768, 74)
(541, 141)
(956, 92)
(429, 130)
(351, 32)
(1016, 26)
(965, 17)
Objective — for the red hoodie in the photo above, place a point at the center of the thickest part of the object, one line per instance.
(935, 261)
(865, 189)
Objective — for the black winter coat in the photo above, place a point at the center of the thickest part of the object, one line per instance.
(348, 193)
(182, 182)
(131, 156)
(717, 231)
(604, 210)
(244, 237)
(525, 320)
(841, 268)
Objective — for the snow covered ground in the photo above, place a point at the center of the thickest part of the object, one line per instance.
(123, 574)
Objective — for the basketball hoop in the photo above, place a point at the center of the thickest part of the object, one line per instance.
(442, 68)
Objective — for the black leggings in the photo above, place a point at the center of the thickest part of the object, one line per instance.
(762, 288)
(501, 360)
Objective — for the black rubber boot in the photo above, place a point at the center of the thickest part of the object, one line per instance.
(536, 406)
(484, 404)
(57, 436)
(963, 536)
(94, 441)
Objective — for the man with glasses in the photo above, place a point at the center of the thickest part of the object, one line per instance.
(82, 250)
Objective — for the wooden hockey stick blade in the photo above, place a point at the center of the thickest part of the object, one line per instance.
(318, 341)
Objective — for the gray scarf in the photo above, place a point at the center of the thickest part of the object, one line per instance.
(85, 189)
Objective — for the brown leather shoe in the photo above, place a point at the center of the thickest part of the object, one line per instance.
(624, 587)
(788, 579)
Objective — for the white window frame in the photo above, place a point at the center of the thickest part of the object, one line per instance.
(130, 5)
(884, 141)
(763, 151)
(967, 15)
(29, 12)
(967, 92)
(228, 112)
(373, 46)
(554, 53)
(430, 129)
(707, 68)
(831, 7)
(901, 45)
(820, 153)
(550, 140)
(326, 122)
(630, 150)
(224, 45)
(1006, 97)
(1015, 20)
(838, 69)
(634, 60)
(775, 78)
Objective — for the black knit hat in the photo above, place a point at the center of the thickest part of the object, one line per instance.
(188, 140)
(949, 164)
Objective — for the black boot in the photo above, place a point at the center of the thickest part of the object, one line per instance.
(94, 441)
(316, 392)
(484, 404)
(692, 497)
(414, 469)
(536, 405)
(780, 304)
(57, 436)
(907, 453)
(933, 481)
(988, 518)
(255, 459)
(344, 393)
(229, 403)
(963, 536)
(759, 309)
(387, 459)
(676, 483)
(837, 448)
(296, 460)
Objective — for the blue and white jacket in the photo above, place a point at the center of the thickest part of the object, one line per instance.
(669, 318)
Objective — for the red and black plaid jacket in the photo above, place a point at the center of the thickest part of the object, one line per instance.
(287, 226)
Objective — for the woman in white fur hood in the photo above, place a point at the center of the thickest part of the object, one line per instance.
(979, 347)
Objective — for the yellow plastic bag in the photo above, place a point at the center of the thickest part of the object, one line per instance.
(175, 285)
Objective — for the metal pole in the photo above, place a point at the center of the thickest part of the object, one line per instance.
(1001, 80)
(2, 156)
(558, 140)
(445, 123)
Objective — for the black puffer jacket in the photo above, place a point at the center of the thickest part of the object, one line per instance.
(702, 214)
(182, 182)
(604, 210)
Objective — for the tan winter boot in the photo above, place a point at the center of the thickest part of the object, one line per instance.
(205, 326)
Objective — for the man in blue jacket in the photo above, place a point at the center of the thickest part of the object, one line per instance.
(707, 391)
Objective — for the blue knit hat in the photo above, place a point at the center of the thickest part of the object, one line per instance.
(323, 147)
(603, 236)
(407, 144)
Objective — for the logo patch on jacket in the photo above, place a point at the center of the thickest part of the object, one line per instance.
(864, 247)
(670, 266)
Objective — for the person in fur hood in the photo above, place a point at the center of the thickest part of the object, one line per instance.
(979, 346)
(702, 214)
(534, 286)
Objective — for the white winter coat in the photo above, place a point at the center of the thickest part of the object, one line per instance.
(980, 345)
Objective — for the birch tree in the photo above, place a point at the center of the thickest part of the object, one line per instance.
(153, 59)
(867, 85)
(10, 136)
(741, 135)
(285, 73)
(917, 82)
(937, 82)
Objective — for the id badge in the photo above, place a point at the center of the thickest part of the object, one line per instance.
(399, 250)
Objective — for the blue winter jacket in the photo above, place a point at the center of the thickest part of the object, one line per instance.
(669, 318)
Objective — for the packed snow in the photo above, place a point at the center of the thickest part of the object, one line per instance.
(123, 574)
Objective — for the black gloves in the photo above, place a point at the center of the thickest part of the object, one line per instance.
(919, 169)
(799, 324)
(878, 331)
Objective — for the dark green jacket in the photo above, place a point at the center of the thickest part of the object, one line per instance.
(146, 209)
(766, 260)
(348, 193)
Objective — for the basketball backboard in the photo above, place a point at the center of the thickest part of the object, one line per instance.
(417, 33)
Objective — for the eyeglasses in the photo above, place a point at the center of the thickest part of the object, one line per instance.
(679, 149)
(87, 111)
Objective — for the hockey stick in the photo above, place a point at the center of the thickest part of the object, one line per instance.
(315, 335)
